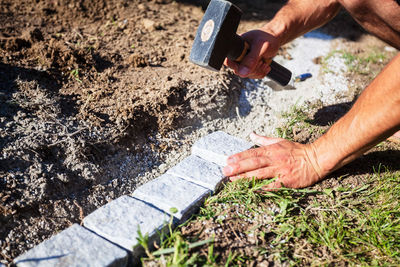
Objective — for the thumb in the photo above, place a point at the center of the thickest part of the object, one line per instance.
(263, 140)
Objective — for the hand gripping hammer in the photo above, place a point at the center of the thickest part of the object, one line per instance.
(216, 39)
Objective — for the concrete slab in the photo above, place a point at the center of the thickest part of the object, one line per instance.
(218, 146)
(120, 220)
(75, 246)
(168, 191)
(198, 171)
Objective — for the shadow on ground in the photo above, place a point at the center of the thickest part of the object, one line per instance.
(371, 163)
(51, 82)
(328, 115)
(368, 163)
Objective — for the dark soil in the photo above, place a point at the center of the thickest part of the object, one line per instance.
(82, 83)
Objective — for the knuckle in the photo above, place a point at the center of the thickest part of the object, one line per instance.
(250, 61)
(254, 153)
(258, 162)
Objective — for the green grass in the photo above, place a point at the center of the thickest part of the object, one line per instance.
(292, 117)
(346, 225)
(297, 119)
(358, 64)
(361, 64)
(75, 75)
(357, 226)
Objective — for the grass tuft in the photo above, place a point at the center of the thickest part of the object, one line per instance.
(355, 226)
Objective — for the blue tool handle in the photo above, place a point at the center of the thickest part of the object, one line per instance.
(303, 77)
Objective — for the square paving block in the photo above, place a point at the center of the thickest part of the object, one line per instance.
(218, 146)
(199, 171)
(168, 192)
(75, 246)
(120, 220)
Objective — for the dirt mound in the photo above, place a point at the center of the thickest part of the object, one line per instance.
(79, 82)
(88, 91)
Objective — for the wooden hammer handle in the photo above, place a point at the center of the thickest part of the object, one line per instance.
(278, 73)
(246, 50)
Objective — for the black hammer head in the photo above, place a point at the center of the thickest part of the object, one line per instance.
(215, 34)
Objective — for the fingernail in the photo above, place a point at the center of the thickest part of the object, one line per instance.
(244, 71)
(227, 170)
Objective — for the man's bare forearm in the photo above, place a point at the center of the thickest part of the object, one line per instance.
(300, 16)
(374, 117)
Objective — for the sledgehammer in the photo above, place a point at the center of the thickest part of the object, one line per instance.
(216, 39)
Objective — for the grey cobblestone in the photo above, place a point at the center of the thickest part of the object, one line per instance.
(184, 187)
(168, 191)
(75, 246)
(199, 171)
(218, 146)
(120, 220)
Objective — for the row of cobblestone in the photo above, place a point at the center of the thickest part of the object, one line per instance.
(109, 235)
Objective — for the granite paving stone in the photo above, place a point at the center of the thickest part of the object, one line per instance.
(198, 171)
(120, 220)
(75, 246)
(218, 146)
(168, 191)
(184, 187)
